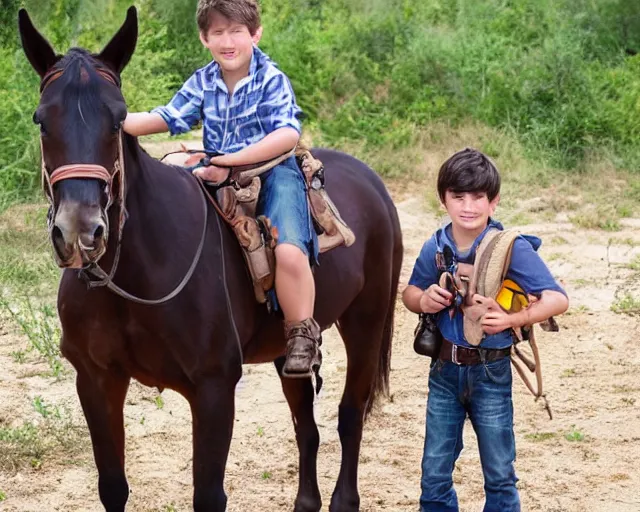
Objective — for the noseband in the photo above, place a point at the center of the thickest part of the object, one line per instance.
(94, 171)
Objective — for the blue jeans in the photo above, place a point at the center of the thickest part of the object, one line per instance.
(283, 198)
(483, 392)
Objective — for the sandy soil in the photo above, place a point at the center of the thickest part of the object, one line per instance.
(591, 372)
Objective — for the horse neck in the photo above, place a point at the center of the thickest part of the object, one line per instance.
(153, 188)
(164, 211)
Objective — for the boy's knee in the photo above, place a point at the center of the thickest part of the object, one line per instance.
(291, 258)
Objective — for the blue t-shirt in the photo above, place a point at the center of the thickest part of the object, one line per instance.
(526, 268)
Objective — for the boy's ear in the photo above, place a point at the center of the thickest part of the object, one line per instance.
(442, 200)
(257, 36)
(494, 204)
(203, 38)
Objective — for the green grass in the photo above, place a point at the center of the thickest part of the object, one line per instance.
(635, 263)
(540, 437)
(551, 77)
(623, 388)
(28, 280)
(26, 261)
(628, 305)
(624, 241)
(53, 436)
(581, 283)
(159, 401)
(39, 323)
(46, 410)
(574, 435)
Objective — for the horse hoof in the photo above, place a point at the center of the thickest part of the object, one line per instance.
(345, 505)
(307, 505)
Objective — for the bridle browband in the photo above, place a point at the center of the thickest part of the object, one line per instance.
(95, 171)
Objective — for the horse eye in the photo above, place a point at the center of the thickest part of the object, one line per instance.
(37, 120)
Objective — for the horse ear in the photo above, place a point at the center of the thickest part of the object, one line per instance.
(35, 46)
(118, 51)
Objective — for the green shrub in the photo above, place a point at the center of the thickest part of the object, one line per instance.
(559, 74)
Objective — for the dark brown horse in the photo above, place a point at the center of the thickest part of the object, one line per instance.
(196, 342)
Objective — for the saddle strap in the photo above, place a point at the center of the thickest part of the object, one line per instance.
(334, 230)
(245, 174)
(519, 360)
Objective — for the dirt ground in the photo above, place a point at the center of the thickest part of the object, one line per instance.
(586, 458)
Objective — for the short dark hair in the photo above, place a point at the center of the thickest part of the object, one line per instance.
(469, 170)
(246, 12)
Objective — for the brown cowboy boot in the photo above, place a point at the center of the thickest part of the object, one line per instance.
(303, 349)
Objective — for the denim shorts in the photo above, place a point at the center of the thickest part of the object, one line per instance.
(283, 199)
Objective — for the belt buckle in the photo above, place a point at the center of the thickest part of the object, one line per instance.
(454, 354)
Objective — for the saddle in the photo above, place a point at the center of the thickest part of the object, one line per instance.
(486, 277)
(237, 198)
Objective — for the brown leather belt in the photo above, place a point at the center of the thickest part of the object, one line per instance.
(450, 352)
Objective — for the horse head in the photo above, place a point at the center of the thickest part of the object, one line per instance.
(80, 115)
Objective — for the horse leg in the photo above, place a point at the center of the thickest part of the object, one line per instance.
(102, 395)
(300, 396)
(212, 409)
(363, 341)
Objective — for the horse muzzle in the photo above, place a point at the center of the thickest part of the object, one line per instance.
(79, 235)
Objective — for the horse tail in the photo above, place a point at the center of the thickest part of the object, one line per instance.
(381, 382)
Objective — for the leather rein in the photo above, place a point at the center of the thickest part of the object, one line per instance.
(93, 171)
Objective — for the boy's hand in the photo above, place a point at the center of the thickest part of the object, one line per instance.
(494, 322)
(435, 299)
(212, 173)
(496, 319)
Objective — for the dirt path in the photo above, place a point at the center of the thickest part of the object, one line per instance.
(587, 458)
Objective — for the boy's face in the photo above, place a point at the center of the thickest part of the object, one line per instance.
(469, 211)
(230, 44)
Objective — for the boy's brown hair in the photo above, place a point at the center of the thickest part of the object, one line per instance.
(245, 12)
(469, 170)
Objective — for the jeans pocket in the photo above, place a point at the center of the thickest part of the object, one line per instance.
(499, 372)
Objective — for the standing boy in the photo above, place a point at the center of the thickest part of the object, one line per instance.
(465, 380)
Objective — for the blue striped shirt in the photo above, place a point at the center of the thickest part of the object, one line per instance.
(261, 103)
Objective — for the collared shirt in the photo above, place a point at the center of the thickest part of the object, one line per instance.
(526, 268)
(261, 103)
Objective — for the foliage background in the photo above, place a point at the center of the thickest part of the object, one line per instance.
(559, 77)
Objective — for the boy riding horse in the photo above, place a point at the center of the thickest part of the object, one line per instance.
(249, 115)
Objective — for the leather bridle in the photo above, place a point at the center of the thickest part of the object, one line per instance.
(94, 171)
